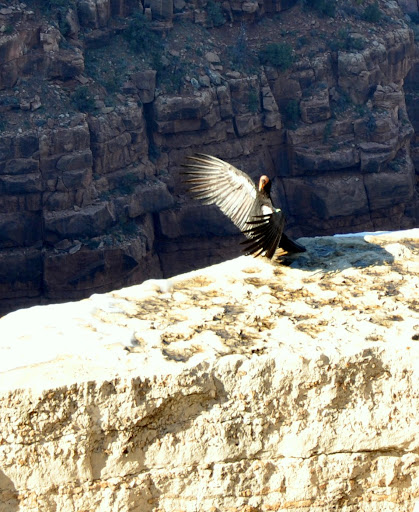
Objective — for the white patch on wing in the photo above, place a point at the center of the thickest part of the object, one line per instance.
(242, 181)
(266, 210)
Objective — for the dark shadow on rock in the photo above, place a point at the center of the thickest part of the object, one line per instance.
(325, 254)
(334, 254)
(8, 494)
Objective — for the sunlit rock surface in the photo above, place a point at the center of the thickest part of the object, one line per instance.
(247, 386)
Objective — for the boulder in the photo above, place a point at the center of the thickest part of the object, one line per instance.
(19, 166)
(224, 100)
(85, 223)
(373, 155)
(65, 65)
(324, 159)
(53, 142)
(76, 179)
(212, 57)
(327, 196)
(177, 108)
(387, 189)
(244, 124)
(75, 160)
(245, 386)
(94, 13)
(354, 77)
(173, 115)
(119, 139)
(50, 39)
(145, 82)
(389, 97)
(21, 183)
(151, 197)
(316, 108)
(243, 90)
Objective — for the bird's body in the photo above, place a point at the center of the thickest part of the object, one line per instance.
(214, 181)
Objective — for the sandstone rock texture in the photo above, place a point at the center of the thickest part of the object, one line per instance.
(96, 119)
(247, 386)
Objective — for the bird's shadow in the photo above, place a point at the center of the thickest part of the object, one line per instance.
(334, 254)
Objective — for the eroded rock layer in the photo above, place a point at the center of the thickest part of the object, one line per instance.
(250, 385)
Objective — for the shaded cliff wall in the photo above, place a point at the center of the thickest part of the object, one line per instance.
(90, 196)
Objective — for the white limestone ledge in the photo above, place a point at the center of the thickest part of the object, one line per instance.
(247, 386)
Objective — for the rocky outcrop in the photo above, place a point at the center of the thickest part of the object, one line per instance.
(94, 132)
(249, 385)
(76, 208)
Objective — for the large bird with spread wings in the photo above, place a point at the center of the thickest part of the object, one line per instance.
(214, 181)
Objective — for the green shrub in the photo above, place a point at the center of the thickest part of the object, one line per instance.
(139, 34)
(171, 77)
(342, 103)
(215, 13)
(372, 13)
(302, 41)
(277, 55)
(355, 43)
(253, 101)
(129, 227)
(83, 100)
(345, 41)
(127, 183)
(64, 26)
(142, 39)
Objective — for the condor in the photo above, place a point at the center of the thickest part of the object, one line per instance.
(214, 181)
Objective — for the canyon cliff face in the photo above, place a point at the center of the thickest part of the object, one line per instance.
(248, 386)
(96, 120)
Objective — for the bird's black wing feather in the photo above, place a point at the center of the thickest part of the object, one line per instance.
(214, 181)
(264, 233)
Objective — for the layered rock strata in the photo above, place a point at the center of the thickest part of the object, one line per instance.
(250, 385)
(90, 153)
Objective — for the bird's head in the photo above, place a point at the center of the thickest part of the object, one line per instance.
(265, 185)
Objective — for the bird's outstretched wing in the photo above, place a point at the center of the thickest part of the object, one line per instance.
(214, 181)
(264, 233)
